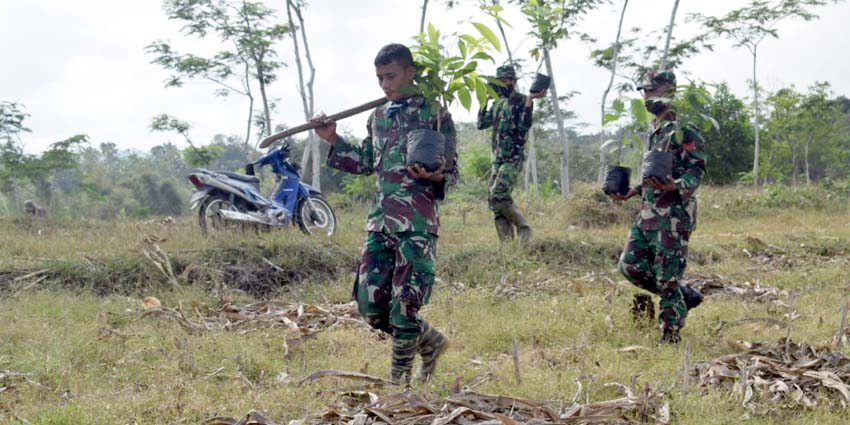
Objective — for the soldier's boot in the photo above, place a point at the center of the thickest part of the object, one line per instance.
(504, 229)
(404, 350)
(432, 344)
(522, 228)
(671, 336)
(692, 297)
(643, 310)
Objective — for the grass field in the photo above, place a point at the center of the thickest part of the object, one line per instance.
(70, 308)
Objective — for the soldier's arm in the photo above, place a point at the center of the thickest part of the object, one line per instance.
(522, 116)
(485, 117)
(351, 158)
(694, 150)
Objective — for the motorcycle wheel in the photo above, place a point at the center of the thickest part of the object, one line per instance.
(319, 220)
(210, 219)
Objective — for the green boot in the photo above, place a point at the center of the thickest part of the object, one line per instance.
(504, 229)
(522, 228)
(432, 344)
(404, 350)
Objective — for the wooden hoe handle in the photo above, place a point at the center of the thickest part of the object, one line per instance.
(310, 125)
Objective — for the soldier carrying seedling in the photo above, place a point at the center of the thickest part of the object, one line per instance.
(511, 118)
(655, 255)
(397, 264)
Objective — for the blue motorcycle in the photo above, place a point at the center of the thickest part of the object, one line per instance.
(226, 199)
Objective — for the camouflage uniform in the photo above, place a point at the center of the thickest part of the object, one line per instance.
(511, 120)
(655, 256)
(397, 264)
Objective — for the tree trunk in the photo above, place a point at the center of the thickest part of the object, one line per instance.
(806, 158)
(669, 35)
(616, 55)
(504, 37)
(755, 120)
(248, 93)
(422, 19)
(794, 167)
(266, 111)
(311, 147)
(562, 133)
(531, 186)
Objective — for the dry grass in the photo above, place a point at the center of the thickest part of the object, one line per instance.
(92, 358)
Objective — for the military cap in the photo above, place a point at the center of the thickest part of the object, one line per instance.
(658, 78)
(506, 71)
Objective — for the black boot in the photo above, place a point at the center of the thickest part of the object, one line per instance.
(670, 337)
(692, 297)
(504, 229)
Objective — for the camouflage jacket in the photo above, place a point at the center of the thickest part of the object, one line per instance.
(402, 203)
(511, 120)
(675, 210)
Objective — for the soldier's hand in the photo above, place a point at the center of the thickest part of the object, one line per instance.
(538, 95)
(630, 194)
(327, 128)
(418, 172)
(664, 186)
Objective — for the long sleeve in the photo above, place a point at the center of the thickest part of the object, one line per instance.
(693, 151)
(522, 117)
(351, 158)
(485, 117)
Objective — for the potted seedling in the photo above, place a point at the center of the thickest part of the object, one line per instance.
(444, 77)
(616, 177)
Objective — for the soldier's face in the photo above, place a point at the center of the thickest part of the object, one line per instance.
(396, 80)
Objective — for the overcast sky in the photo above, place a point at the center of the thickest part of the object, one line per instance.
(79, 66)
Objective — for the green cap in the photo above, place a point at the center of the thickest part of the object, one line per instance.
(506, 71)
(658, 78)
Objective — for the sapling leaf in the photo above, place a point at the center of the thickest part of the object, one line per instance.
(489, 35)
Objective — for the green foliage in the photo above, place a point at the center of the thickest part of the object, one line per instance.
(551, 20)
(360, 188)
(730, 142)
(475, 161)
(444, 76)
(807, 135)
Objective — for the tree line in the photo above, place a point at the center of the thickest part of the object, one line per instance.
(791, 136)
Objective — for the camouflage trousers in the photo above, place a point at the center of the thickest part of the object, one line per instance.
(394, 280)
(655, 260)
(503, 178)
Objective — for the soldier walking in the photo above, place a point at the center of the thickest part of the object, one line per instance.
(511, 118)
(397, 263)
(656, 253)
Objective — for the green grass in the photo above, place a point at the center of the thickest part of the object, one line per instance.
(92, 360)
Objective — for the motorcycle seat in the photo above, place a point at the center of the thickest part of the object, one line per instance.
(241, 177)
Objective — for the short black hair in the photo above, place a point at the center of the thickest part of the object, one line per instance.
(394, 52)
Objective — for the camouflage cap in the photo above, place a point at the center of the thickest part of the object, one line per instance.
(506, 71)
(658, 78)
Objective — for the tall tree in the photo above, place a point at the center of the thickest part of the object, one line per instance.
(615, 55)
(664, 56)
(12, 156)
(305, 90)
(747, 27)
(550, 21)
(244, 25)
